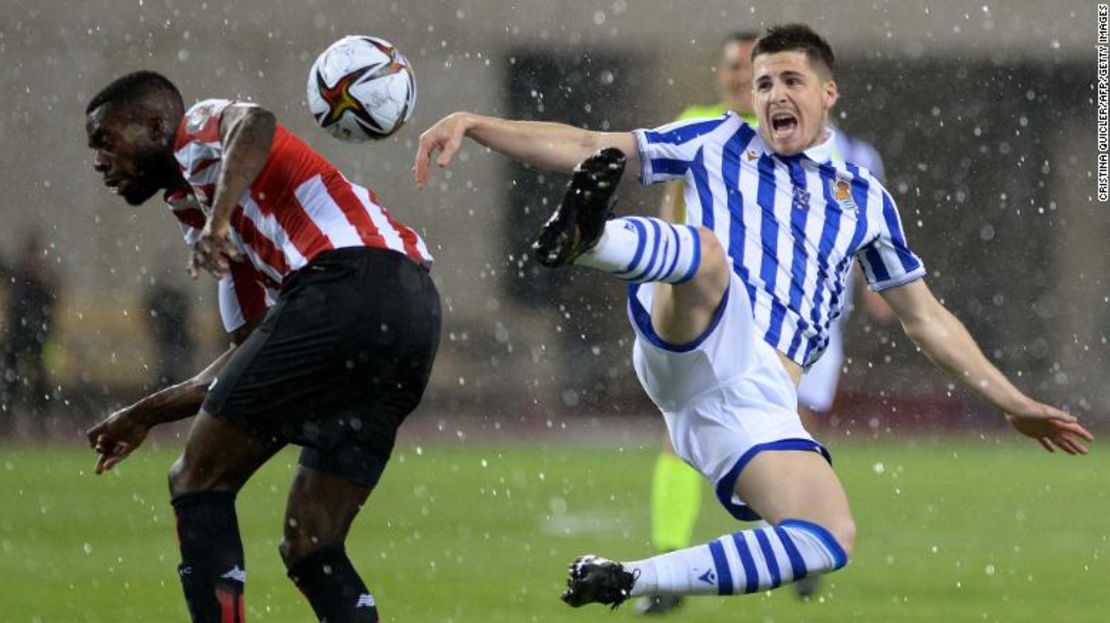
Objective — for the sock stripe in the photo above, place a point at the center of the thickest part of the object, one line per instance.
(697, 256)
(641, 242)
(756, 560)
(658, 270)
(658, 231)
(769, 557)
(724, 574)
(827, 540)
(654, 228)
(677, 248)
(751, 576)
(797, 563)
(639, 249)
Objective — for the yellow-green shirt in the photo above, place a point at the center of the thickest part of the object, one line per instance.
(712, 110)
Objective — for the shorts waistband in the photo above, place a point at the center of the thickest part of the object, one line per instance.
(349, 255)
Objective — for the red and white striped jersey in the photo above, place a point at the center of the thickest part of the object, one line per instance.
(298, 207)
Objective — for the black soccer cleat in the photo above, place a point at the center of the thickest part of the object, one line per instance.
(651, 605)
(579, 220)
(594, 579)
(807, 587)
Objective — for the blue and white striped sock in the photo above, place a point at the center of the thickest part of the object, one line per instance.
(743, 562)
(641, 249)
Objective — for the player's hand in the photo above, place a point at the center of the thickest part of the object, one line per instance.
(115, 438)
(1051, 427)
(213, 251)
(446, 137)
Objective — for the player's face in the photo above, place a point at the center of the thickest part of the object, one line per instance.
(131, 151)
(792, 101)
(734, 76)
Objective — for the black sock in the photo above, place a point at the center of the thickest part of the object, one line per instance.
(212, 569)
(333, 588)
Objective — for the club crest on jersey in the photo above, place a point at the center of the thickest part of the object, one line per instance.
(197, 118)
(841, 191)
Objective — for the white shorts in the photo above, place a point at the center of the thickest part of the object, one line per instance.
(817, 391)
(725, 396)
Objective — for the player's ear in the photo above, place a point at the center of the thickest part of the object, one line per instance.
(157, 129)
(831, 93)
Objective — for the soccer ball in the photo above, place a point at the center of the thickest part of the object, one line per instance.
(361, 88)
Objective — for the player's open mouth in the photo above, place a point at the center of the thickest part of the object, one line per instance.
(783, 123)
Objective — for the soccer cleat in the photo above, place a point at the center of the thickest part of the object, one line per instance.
(656, 604)
(579, 221)
(807, 587)
(594, 579)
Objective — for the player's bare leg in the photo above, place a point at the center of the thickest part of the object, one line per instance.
(218, 459)
(318, 517)
(808, 586)
(786, 484)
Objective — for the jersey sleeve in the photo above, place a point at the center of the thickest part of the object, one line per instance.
(667, 151)
(242, 297)
(197, 143)
(190, 216)
(887, 260)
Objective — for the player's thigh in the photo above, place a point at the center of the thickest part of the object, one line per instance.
(218, 456)
(320, 510)
(791, 484)
(683, 312)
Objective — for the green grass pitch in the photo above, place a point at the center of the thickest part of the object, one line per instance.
(949, 530)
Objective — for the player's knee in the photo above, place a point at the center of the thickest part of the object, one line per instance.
(712, 267)
(712, 253)
(289, 550)
(296, 544)
(186, 476)
(179, 478)
(844, 531)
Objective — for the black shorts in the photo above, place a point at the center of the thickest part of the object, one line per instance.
(337, 363)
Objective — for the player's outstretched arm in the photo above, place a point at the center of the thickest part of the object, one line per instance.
(551, 146)
(247, 133)
(117, 436)
(947, 343)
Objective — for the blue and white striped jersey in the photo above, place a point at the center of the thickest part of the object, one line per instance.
(791, 224)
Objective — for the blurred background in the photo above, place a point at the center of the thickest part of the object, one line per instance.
(984, 115)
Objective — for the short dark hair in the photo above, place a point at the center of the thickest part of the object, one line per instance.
(133, 88)
(796, 38)
(740, 36)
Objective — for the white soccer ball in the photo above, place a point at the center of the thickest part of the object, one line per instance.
(361, 88)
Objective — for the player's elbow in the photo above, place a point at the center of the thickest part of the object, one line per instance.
(927, 326)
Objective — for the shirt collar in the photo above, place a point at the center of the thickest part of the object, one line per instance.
(823, 151)
(819, 153)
